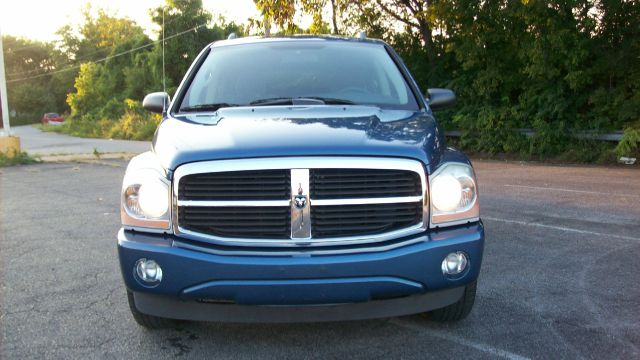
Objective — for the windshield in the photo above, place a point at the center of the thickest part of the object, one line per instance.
(333, 72)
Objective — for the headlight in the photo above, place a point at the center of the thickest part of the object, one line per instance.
(454, 195)
(146, 199)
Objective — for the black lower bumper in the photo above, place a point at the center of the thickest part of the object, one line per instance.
(169, 307)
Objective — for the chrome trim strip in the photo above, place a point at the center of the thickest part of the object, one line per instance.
(300, 243)
(364, 201)
(229, 203)
(147, 229)
(455, 222)
(307, 162)
(300, 217)
(298, 251)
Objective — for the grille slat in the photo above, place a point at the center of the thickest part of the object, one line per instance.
(252, 184)
(370, 219)
(334, 221)
(246, 222)
(363, 183)
(356, 215)
(229, 195)
(397, 185)
(359, 194)
(356, 179)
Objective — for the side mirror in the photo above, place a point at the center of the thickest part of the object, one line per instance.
(157, 102)
(441, 98)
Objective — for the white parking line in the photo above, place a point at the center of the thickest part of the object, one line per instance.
(560, 228)
(571, 190)
(456, 339)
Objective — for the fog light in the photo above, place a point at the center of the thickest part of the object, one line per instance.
(454, 263)
(148, 271)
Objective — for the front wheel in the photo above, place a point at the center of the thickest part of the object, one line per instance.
(458, 310)
(148, 321)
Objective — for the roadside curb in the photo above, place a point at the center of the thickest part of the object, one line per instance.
(85, 157)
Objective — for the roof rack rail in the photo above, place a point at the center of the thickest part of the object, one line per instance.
(232, 36)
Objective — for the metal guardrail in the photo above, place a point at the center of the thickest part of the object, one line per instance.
(592, 135)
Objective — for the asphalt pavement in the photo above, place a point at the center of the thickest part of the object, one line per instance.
(559, 278)
(36, 142)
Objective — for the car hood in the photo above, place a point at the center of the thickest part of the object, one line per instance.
(250, 132)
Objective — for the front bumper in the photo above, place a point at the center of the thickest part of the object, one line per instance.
(202, 286)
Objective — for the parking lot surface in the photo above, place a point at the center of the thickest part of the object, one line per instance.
(559, 277)
(36, 142)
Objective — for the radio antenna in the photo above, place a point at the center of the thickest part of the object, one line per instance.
(164, 84)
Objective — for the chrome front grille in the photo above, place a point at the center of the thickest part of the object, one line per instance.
(233, 221)
(366, 219)
(236, 185)
(301, 201)
(363, 183)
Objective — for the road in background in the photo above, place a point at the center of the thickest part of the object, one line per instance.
(36, 142)
(559, 277)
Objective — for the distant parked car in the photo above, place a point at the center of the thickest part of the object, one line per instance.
(52, 119)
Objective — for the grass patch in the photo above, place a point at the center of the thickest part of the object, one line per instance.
(134, 123)
(19, 158)
(49, 128)
(129, 127)
(573, 151)
(629, 145)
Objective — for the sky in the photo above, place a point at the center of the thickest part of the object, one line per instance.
(40, 19)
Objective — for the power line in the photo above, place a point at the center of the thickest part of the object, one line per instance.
(26, 72)
(41, 44)
(113, 46)
(52, 42)
(108, 57)
(101, 60)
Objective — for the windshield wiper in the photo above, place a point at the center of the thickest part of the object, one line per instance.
(306, 100)
(207, 107)
(332, 101)
(272, 101)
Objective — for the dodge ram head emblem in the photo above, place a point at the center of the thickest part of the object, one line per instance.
(300, 201)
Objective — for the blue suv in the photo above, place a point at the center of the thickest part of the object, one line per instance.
(299, 179)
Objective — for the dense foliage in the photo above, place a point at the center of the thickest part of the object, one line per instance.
(556, 67)
(32, 92)
(100, 71)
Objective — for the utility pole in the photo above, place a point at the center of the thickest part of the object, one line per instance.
(3, 93)
(164, 83)
(9, 145)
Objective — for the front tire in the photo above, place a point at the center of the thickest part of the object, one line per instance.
(148, 321)
(458, 310)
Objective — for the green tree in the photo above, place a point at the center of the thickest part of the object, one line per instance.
(114, 52)
(97, 36)
(282, 14)
(181, 16)
(188, 29)
(33, 85)
(121, 64)
(93, 89)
